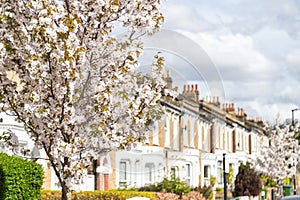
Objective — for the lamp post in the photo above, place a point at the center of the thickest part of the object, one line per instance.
(293, 110)
(224, 176)
(293, 124)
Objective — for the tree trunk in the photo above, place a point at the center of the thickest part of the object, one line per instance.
(65, 193)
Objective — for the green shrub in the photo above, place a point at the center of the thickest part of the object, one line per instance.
(19, 178)
(174, 185)
(98, 195)
(267, 181)
(213, 180)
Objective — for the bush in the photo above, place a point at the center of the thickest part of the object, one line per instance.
(174, 185)
(247, 182)
(19, 178)
(267, 181)
(207, 192)
(194, 195)
(120, 195)
(98, 195)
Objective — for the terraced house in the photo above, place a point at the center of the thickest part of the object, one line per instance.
(188, 142)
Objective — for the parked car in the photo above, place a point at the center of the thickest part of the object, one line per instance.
(293, 197)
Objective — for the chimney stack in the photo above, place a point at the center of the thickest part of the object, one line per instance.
(169, 79)
(196, 93)
(191, 92)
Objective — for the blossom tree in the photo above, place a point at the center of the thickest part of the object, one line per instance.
(72, 84)
(279, 157)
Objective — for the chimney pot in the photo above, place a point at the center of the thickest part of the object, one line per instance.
(169, 73)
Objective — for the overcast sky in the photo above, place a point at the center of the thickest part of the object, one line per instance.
(251, 46)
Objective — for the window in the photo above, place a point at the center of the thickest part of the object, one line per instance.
(160, 173)
(123, 170)
(223, 137)
(149, 173)
(206, 138)
(199, 127)
(192, 133)
(173, 172)
(219, 172)
(147, 135)
(218, 135)
(137, 173)
(185, 132)
(229, 136)
(206, 175)
(175, 133)
(155, 134)
(167, 131)
(188, 174)
(123, 174)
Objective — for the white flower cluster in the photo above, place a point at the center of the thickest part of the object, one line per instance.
(78, 91)
(10, 140)
(280, 155)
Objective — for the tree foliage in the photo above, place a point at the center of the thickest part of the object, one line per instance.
(247, 182)
(279, 155)
(173, 185)
(230, 176)
(75, 86)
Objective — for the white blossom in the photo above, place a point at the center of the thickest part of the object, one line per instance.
(79, 93)
(279, 157)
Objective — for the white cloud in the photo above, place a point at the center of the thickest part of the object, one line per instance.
(270, 112)
(236, 56)
(254, 44)
(293, 60)
(186, 17)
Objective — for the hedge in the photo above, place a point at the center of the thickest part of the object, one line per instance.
(19, 178)
(97, 195)
(174, 185)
